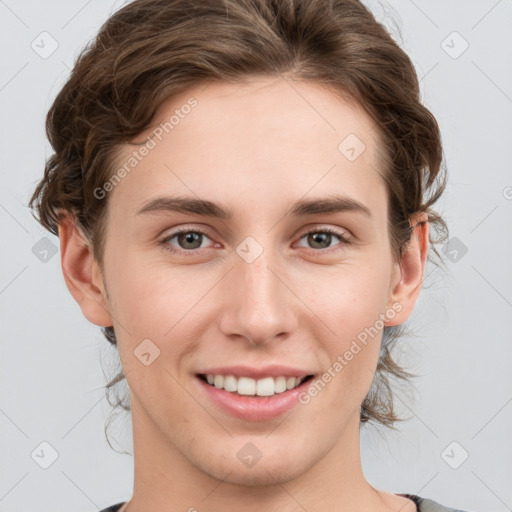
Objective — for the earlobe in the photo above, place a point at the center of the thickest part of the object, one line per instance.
(81, 274)
(411, 268)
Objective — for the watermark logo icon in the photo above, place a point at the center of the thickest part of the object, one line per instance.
(455, 249)
(44, 455)
(454, 45)
(454, 455)
(351, 147)
(44, 249)
(249, 249)
(249, 455)
(44, 45)
(146, 352)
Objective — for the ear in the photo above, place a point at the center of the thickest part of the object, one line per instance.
(410, 270)
(82, 273)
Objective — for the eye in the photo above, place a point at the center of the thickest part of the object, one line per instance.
(191, 240)
(321, 239)
(188, 240)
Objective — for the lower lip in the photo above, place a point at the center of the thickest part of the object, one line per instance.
(257, 408)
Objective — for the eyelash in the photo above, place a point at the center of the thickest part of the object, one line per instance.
(343, 240)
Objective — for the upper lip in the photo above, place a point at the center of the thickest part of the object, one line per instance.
(240, 370)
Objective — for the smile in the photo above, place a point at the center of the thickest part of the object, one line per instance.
(248, 386)
(247, 399)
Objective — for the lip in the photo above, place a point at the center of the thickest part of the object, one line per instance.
(254, 409)
(273, 370)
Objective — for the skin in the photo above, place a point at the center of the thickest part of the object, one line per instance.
(256, 148)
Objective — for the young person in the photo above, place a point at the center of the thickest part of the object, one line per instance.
(243, 192)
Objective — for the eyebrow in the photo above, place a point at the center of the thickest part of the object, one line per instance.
(324, 205)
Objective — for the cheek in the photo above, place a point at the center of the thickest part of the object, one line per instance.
(350, 306)
(348, 299)
(171, 307)
(150, 293)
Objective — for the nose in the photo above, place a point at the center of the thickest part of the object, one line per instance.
(258, 304)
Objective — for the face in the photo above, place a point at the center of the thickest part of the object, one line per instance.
(266, 283)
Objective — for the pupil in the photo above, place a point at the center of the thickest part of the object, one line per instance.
(319, 237)
(189, 238)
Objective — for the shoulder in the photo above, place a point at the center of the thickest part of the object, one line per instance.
(427, 505)
(423, 504)
(113, 508)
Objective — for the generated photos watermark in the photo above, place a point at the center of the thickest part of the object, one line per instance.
(343, 359)
(138, 155)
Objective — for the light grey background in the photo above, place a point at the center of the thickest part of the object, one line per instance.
(52, 360)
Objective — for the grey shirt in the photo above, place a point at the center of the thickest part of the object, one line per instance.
(422, 505)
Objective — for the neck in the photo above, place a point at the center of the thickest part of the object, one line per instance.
(166, 481)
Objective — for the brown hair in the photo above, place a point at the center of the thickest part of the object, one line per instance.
(152, 49)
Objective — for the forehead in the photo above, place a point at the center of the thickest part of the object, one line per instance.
(266, 138)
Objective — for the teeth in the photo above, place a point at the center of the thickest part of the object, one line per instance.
(290, 383)
(230, 383)
(267, 386)
(218, 381)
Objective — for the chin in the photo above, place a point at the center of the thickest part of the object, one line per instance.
(261, 475)
(271, 470)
